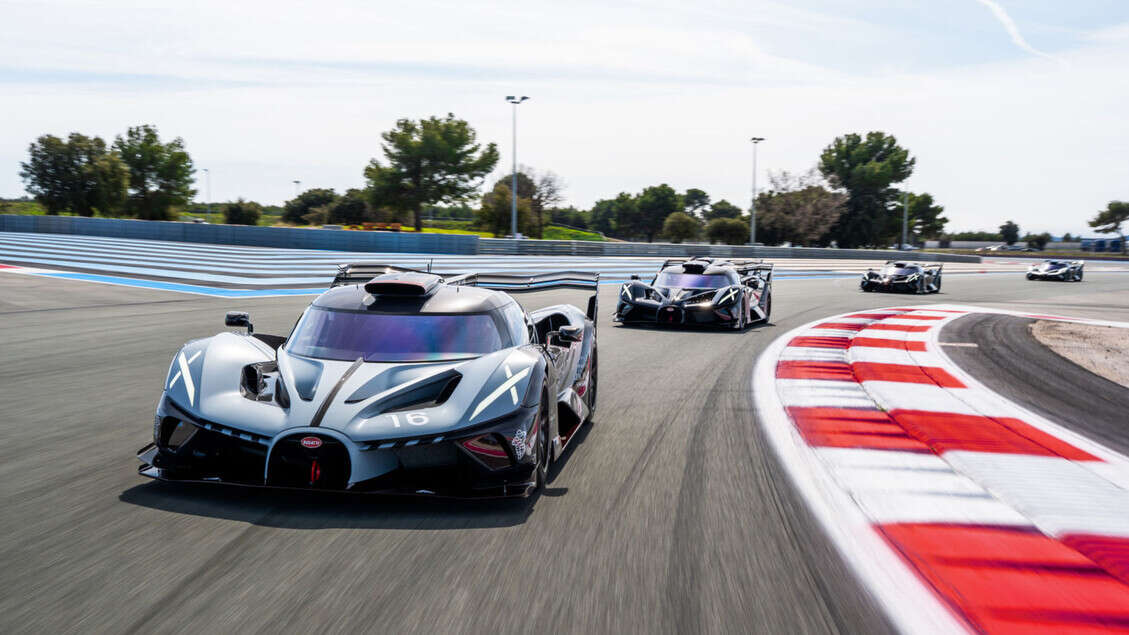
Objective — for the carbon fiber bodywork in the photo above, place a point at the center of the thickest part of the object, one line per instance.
(903, 277)
(246, 409)
(740, 294)
(1061, 270)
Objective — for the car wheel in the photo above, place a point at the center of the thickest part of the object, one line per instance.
(544, 454)
(920, 286)
(767, 308)
(743, 317)
(593, 381)
(937, 289)
(1030, 277)
(1078, 278)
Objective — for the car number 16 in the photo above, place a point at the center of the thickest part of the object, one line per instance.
(412, 418)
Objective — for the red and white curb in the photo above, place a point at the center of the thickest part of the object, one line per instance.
(957, 508)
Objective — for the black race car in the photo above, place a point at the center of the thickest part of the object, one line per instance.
(392, 381)
(1063, 270)
(699, 291)
(906, 277)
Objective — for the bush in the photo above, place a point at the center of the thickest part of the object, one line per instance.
(680, 226)
(350, 209)
(731, 231)
(242, 212)
(296, 209)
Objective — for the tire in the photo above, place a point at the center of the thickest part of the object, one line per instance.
(593, 380)
(920, 286)
(938, 288)
(544, 453)
(767, 309)
(1030, 277)
(743, 317)
(1078, 278)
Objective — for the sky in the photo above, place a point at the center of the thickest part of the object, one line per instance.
(1014, 109)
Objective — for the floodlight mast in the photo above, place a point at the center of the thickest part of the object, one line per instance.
(513, 191)
(753, 203)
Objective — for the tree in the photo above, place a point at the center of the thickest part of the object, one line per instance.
(495, 213)
(543, 190)
(242, 212)
(924, 219)
(865, 168)
(1009, 232)
(681, 226)
(722, 209)
(429, 162)
(295, 210)
(615, 216)
(569, 216)
(1037, 241)
(731, 231)
(160, 174)
(797, 209)
(694, 201)
(654, 205)
(350, 209)
(1067, 238)
(78, 175)
(1110, 219)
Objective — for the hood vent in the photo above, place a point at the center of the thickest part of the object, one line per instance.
(429, 394)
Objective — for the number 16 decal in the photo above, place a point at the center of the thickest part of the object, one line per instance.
(412, 418)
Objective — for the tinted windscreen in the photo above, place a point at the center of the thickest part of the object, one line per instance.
(693, 280)
(347, 335)
(899, 271)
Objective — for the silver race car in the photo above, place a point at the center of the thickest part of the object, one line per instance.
(908, 277)
(394, 381)
(1064, 270)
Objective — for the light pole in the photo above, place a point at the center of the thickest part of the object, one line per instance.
(513, 191)
(753, 203)
(208, 187)
(297, 186)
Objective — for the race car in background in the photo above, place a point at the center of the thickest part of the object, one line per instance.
(906, 277)
(699, 291)
(392, 381)
(1064, 270)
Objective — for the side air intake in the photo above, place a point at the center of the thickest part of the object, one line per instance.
(404, 284)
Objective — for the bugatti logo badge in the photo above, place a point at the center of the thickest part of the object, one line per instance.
(311, 443)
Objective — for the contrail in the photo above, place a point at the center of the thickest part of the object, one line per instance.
(1013, 30)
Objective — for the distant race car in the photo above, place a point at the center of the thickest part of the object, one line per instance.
(1064, 270)
(908, 277)
(392, 381)
(699, 291)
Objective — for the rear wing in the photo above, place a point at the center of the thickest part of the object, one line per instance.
(362, 272)
(924, 265)
(744, 266)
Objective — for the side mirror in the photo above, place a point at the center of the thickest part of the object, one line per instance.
(635, 276)
(239, 318)
(569, 334)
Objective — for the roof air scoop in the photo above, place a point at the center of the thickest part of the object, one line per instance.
(695, 266)
(404, 284)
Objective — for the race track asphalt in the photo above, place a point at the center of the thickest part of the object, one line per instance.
(670, 514)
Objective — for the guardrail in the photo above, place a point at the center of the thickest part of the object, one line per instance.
(402, 242)
(284, 237)
(505, 246)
